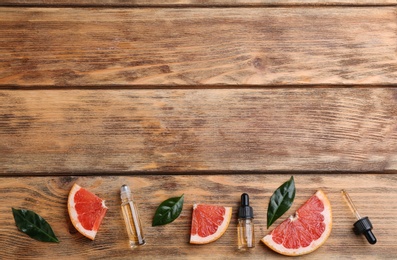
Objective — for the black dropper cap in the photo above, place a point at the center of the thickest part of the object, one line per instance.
(245, 211)
(364, 226)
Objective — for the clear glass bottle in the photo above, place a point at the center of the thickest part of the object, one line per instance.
(245, 225)
(131, 218)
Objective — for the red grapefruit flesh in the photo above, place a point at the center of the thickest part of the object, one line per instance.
(86, 211)
(305, 231)
(209, 223)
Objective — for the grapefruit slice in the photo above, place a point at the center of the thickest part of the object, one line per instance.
(305, 231)
(209, 222)
(86, 211)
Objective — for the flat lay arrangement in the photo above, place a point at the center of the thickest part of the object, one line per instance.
(187, 129)
(301, 233)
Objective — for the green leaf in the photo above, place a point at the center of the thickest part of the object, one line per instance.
(33, 225)
(168, 211)
(280, 201)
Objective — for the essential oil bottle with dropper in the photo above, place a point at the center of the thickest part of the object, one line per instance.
(245, 226)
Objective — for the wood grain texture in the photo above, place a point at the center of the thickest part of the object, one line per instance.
(194, 2)
(173, 131)
(374, 195)
(196, 47)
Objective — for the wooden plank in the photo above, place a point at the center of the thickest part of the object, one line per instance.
(194, 2)
(183, 130)
(197, 46)
(374, 195)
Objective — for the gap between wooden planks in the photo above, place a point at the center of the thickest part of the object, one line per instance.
(128, 131)
(198, 47)
(198, 3)
(373, 194)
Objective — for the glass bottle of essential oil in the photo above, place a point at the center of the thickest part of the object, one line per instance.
(245, 226)
(131, 218)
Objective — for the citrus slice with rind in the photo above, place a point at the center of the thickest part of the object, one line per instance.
(304, 231)
(209, 223)
(86, 211)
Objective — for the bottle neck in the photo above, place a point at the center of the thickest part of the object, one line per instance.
(245, 219)
(125, 197)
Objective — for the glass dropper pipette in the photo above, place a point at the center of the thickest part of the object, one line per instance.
(362, 225)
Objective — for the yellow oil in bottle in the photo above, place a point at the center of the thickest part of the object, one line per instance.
(131, 218)
(245, 233)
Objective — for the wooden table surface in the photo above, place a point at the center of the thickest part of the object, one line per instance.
(204, 98)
